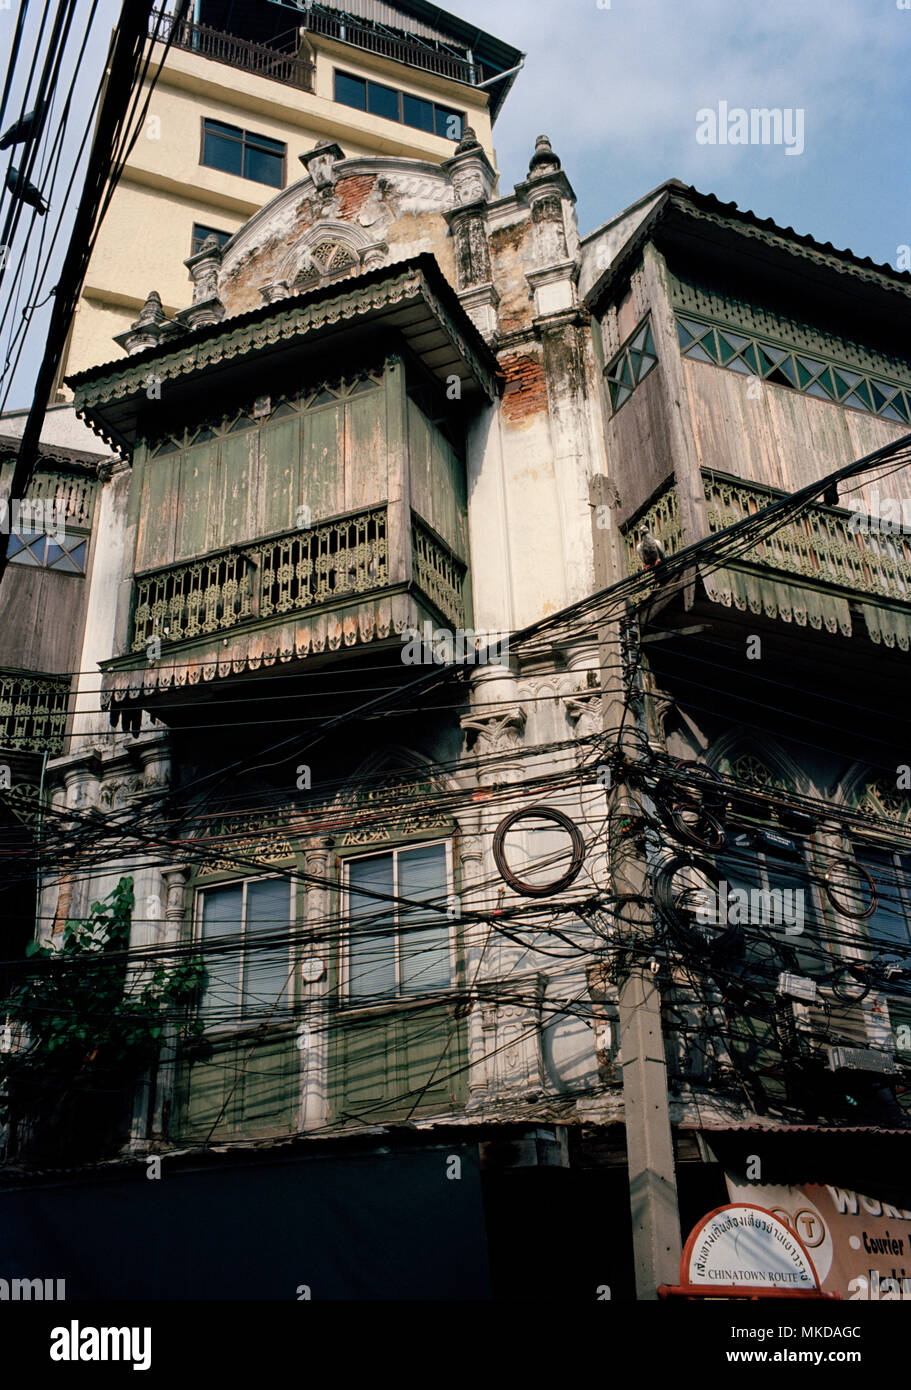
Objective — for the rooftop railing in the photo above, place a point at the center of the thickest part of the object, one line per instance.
(377, 39)
(281, 65)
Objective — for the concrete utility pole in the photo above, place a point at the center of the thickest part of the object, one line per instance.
(649, 1142)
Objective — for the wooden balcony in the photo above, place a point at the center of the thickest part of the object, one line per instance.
(304, 491)
(289, 573)
(838, 564)
(278, 64)
(329, 565)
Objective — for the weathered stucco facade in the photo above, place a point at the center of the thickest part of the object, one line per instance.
(401, 401)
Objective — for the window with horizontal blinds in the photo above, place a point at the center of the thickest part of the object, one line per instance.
(397, 947)
(244, 929)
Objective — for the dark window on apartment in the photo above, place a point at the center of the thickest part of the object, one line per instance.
(448, 123)
(244, 153)
(394, 948)
(417, 112)
(351, 91)
(382, 101)
(201, 234)
(889, 925)
(394, 105)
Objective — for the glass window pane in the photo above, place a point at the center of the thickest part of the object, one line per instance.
(775, 905)
(423, 877)
(32, 545)
(201, 234)
(424, 949)
(262, 166)
(699, 353)
(351, 91)
(265, 142)
(371, 959)
(793, 917)
(887, 927)
(417, 113)
(224, 129)
(218, 152)
(221, 921)
(383, 101)
(267, 967)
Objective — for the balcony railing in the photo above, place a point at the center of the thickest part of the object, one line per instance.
(376, 39)
(438, 573)
(824, 545)
(33, 712)
(260, 58)
(288, 573)
(820, 545)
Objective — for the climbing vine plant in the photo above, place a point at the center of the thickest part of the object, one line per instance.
(82, 1023)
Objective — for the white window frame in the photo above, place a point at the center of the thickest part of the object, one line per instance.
(283, 1008)
(399, 996)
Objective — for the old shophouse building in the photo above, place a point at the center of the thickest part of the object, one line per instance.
(403, 405)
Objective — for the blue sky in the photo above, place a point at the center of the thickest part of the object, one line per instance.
(618, 88)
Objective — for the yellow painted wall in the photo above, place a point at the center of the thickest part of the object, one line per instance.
(146, 235)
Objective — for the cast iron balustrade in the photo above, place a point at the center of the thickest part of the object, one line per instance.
(438, 573)
(820, 545)
(300, 569)
(259, 58)
(33, 712)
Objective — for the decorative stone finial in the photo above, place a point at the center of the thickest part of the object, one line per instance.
(206, 308)
(320, 162)
(469, 141)
(148, 329)
(151, 311)
(543, 161)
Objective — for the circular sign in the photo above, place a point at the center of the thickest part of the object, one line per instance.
(744, 1247)
(312, 969)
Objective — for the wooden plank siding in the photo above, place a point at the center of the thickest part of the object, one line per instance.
(781, 438)
(249, 1086)
(380, 1063)
(438, 492)
(41, 620)
(239, 487)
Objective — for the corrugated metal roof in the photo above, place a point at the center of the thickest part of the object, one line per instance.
(719, 1127)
